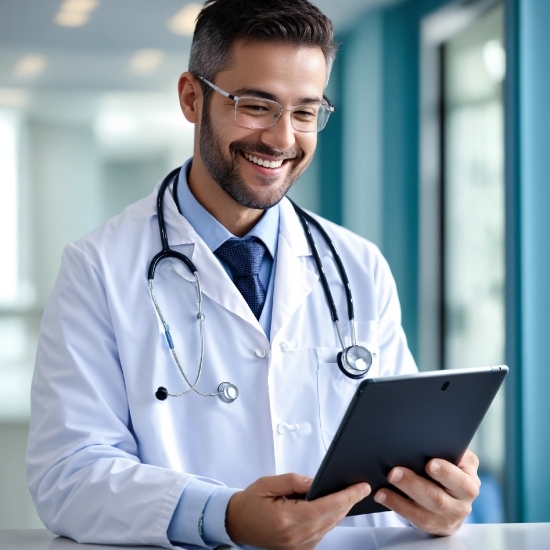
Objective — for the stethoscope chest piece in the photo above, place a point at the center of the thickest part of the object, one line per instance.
(228, 392)
(355, 362)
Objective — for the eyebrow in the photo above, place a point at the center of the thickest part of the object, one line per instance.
(243, 92)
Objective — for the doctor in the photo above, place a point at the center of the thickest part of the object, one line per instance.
(108, 461)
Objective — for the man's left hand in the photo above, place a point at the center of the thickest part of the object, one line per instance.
(438, 507)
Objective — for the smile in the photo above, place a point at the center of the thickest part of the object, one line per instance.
(263, 162)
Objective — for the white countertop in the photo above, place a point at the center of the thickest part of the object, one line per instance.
(507, 536)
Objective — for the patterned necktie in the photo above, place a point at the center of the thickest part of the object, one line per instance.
(244, 259)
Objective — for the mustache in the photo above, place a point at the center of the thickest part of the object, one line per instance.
(263, 149)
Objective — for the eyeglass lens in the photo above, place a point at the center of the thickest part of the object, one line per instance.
(264, 113)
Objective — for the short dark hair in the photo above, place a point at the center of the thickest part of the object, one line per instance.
(222, 22)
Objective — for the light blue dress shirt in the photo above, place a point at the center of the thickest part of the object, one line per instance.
(200, 496)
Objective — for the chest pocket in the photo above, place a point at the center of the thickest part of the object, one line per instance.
(335, 390)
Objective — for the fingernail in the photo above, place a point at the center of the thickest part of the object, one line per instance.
(306, 479)
(365, 490)
(380, 497)
(396, 475)
(436, 466)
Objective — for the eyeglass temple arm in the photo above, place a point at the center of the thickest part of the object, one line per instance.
(219, 90)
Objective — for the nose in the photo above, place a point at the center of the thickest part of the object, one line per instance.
(280, 136)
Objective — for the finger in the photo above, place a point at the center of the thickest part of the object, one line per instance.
(341, 502)
(314, 519)
(410, 510)
(423, 491)
(459, 483)
(403, 506)
(284, 485)
(469, 463)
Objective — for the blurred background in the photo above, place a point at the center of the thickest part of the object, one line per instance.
(436, 153)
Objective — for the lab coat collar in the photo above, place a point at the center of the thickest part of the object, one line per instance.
(291, 229)
(215, 282)
(179, 230)
(293, 279)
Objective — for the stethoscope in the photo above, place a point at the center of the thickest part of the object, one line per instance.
(354, 361)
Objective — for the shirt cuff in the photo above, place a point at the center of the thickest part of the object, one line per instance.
(213, 521)
(194, 503)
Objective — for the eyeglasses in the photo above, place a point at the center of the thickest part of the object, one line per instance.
(256, 113)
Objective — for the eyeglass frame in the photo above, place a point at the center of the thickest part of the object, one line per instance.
(329, 105)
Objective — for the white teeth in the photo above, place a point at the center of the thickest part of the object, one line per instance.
(261, 162)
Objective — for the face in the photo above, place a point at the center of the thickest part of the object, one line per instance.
(286, 74)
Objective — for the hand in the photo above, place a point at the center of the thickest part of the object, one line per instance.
(437, 508)
(262, 516)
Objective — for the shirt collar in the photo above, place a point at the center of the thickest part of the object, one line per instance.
(211, 231)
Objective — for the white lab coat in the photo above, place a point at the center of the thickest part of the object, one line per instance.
(107, 461)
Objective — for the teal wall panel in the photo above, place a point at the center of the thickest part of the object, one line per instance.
(534, 63)
(400, 161)
(362, 106)
(329, 153)
(514, 486)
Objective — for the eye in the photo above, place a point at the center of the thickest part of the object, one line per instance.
(305, 113)
(256, 107)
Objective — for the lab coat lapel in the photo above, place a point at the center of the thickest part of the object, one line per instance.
(294, 281)
(215, 282)
(217, 285)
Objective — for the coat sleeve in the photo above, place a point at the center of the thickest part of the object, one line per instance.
(84, 473)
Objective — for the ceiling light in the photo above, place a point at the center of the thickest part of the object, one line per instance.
(14, 97)
(184, 21)
(75, 13)
(146, 61)
(71, 18)
(30, 65)
(79, 6)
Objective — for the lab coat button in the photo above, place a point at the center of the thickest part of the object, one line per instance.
(285, 346)
(261, 353)
(284, 428)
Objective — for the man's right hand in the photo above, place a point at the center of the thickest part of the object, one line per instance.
(262, 516)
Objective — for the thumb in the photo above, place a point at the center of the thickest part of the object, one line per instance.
(285, 485)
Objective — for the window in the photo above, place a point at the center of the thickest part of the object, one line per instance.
(463, 207)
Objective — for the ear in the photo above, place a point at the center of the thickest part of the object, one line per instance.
(190, 94)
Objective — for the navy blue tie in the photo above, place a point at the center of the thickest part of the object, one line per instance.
(244, 259)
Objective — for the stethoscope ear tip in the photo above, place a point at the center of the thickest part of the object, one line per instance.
(161, 394)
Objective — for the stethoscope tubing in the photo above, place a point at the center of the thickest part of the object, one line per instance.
(306, 218)
(228, 392)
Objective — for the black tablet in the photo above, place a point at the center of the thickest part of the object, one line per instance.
(405, 421)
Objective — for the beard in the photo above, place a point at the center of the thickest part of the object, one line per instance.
(228, 176)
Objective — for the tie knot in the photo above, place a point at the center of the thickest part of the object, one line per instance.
(243, 257)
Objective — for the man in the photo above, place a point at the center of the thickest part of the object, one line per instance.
(110, 463)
